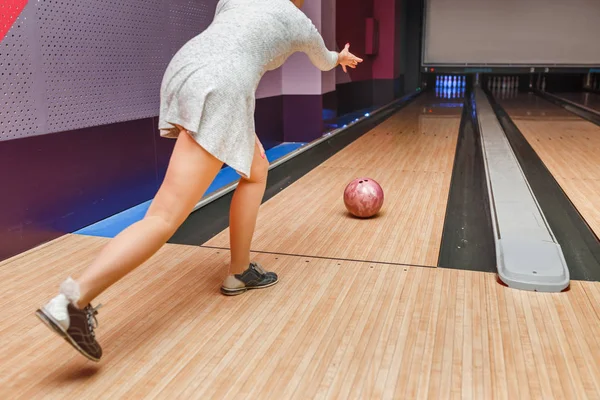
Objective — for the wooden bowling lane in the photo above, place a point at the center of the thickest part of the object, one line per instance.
(411, 155)
(568, 145)
(330, 329)
(528, 106)
(587, 99)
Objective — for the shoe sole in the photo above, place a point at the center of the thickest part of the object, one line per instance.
(54, 326)
(236, 292)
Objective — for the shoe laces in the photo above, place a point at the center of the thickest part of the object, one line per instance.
(258, 268)
(91, 313)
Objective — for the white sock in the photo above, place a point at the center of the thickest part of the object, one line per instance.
(57, 307)
(70, 289)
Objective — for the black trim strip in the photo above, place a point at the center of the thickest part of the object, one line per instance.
(468, 236)
(579, 244)
(592, 117)
(213, 218)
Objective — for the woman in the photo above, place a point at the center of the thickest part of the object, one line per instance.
(207, 103)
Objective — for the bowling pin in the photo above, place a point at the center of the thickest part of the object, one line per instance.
(544, 84)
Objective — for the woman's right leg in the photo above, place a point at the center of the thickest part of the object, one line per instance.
(190, 172)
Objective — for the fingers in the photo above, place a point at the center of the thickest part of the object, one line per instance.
(354, 58)
(350, 59)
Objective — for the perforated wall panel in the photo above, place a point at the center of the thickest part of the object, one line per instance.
(18, 109)
(85, 63)
(102, 60)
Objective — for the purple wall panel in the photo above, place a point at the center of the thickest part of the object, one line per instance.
(303, 117)
(73, 64)
(20, 111)
(269, 118)
(54, 184)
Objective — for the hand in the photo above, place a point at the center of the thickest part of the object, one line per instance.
(347, 59)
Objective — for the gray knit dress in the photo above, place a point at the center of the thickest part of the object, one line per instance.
(209, 86)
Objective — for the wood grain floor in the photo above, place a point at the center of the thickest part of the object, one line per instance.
(411, 155)
(329, 330)
(569, 147)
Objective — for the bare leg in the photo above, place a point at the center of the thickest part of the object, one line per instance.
(244, 212)
(191, 171)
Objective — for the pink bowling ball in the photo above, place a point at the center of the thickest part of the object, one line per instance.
(363, 197)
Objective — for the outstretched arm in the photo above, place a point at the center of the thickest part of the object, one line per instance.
(319, 54)
(323, 58)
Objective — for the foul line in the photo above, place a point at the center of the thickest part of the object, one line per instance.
(322, 257)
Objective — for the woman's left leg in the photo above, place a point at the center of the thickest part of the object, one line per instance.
(245, 204)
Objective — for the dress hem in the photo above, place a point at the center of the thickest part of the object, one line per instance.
(170, 132)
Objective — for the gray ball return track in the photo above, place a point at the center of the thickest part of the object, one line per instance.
(527, 252)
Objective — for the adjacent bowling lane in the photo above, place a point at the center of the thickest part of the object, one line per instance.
(568, 145)
(411, 155)
(589, 100)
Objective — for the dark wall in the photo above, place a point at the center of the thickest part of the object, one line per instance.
(564, 82)
(413, 43)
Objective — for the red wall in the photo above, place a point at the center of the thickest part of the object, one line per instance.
(350, 28)
(386, 64)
